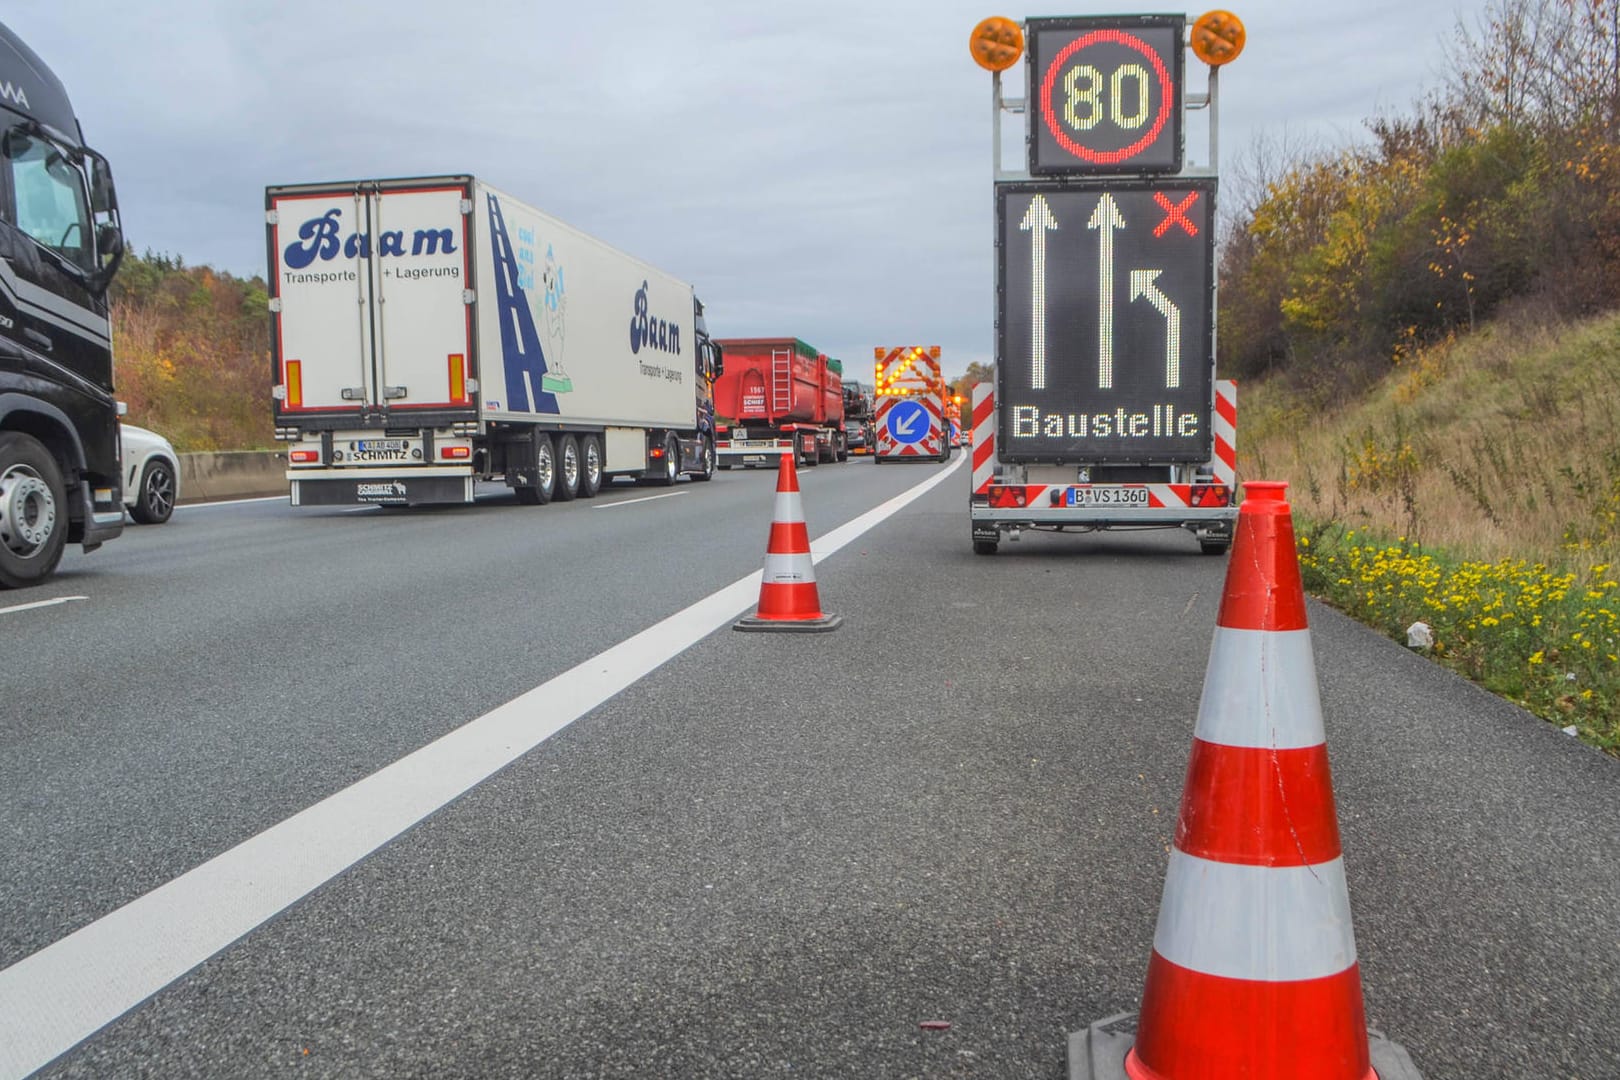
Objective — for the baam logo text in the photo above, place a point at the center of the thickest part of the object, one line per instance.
(322, 238)
(653, 333)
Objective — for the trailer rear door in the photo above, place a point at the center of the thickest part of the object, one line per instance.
(372, 294)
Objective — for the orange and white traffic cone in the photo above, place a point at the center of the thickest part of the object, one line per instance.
(1254, 971)
(787, 592)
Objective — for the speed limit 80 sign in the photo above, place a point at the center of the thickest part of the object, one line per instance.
(1106, 94)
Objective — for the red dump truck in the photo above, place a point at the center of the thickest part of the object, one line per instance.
(778, 395)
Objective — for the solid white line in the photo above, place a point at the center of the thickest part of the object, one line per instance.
(1260, 691)
(40, 604)
(644, 498)
(233, 502)
(64, 993)
(1262, 923)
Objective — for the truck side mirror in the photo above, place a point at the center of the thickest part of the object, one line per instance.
(103, 197)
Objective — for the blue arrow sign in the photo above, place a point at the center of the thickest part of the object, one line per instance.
(908, 422)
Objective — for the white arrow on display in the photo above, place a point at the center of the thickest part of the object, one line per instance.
(1143, 283)
(903, 424)
(1106, 218)
(1037, 220)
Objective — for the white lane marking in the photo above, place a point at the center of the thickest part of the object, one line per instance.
(233, 502)
(644, 498)
(66, 992)
(40, 604)
(359, 509)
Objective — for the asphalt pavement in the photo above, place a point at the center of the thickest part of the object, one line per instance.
(929, 844)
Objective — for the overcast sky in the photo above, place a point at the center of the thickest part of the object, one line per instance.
(819, 170)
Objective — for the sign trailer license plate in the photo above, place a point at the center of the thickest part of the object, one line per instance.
(1107, 496)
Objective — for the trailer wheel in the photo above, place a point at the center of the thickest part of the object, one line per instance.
(590, 466)
(707, 473)
(672, 462)
(545, 474)
(984, 547)
(33, 511)
(1214, 547)
(567, 468)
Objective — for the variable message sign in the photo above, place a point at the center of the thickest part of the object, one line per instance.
(1105, 291)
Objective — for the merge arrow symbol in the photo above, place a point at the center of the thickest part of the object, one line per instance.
(1144, 283)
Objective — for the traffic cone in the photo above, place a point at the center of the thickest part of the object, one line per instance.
(787, 592)
(1254, 971)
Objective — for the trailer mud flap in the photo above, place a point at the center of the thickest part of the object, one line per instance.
(383, 491)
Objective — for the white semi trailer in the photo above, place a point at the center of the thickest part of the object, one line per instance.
(430, 332)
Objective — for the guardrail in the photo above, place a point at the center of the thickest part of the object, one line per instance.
(235, 474)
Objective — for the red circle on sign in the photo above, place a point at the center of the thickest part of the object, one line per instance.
(1166, 93)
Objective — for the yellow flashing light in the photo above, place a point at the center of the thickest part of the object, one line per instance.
(1218, 37)
(996, 43)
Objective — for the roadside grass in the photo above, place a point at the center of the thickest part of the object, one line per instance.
(1476, 489)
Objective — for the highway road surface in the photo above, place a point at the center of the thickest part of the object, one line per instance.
(494, 791)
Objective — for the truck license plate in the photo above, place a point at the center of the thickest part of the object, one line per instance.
(1107, 496)
(363, 445)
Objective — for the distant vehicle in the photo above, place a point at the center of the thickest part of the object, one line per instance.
(428, 333)
(858, 417)
(859, 437)
(779, 395)
(60, 245)
(151, 475)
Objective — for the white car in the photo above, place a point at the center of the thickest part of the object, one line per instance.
(151, 475)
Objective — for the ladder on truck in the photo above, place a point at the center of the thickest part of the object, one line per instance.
(781, 381)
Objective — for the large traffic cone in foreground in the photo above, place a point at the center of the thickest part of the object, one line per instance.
(787, 592)
(1254, 971)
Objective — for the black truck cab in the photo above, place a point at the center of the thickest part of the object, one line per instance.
(60, 244)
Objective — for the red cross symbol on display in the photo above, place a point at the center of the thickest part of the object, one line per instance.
(1174, 214)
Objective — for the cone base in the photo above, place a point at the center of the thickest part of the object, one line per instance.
(818, 625)
(1098, 1052)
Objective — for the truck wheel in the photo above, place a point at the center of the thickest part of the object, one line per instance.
(545, 474)
(155, 501)
(984, 547)
(33, 511)
(567, 469)
(672, 462)
(1214, 547)
(708, 461)
(590, 466)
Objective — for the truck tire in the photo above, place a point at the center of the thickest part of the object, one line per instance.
(1214, 547)
(568, 469)
(843, 448)
(671, 470)
(707, 472)
(545, 474)
(154, 500)
(33, 511)
(590, 466)
(984, 547)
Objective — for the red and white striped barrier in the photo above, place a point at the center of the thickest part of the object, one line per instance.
(1225, 425)
(983, 429)
(787, 590)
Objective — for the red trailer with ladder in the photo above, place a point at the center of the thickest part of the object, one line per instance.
(778, 395)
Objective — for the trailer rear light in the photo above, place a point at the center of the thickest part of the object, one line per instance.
(304, 457)
(455, 453)
(1008, 498)
(1211, 495)
(657, 453)
(458, 379)
(295, 384)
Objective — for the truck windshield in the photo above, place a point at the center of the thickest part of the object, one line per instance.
(49, 196)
